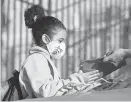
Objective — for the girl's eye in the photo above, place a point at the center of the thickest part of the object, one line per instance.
(61, 40)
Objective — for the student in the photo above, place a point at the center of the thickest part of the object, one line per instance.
(118, 55)
(38, 75)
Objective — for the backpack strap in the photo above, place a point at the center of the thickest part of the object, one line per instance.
(7, 95)
(13, 83)
(17, 84)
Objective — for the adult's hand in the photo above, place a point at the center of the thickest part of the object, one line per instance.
(116, 56)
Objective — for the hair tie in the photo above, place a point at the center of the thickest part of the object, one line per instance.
(35, 18)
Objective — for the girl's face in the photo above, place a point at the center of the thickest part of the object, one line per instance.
(60, 36)
(56, 45)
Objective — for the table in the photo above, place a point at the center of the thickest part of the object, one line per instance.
(112, 95)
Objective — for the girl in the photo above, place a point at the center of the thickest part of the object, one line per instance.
(39, 76)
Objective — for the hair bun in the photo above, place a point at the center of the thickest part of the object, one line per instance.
(32, 14)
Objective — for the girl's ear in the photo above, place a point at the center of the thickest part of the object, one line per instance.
(45, 39)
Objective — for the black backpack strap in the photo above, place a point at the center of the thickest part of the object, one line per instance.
(7, 96)
(11, 92)
(17, 84)
(13, 83)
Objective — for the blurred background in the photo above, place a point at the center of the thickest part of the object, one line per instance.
(94, 27)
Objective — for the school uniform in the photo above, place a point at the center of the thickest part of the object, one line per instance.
(40, 78)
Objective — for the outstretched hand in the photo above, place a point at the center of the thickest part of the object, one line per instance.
(91, 76)
(115, 56)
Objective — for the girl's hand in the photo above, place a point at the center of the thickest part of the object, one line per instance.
(91, 76)
(116, 56)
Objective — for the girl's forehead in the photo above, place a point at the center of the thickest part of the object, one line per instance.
(61, 33)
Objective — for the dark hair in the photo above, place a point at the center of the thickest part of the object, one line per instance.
(35, 18)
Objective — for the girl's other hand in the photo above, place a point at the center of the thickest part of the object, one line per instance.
(91, 76)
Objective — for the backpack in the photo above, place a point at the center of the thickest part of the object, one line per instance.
(11, 89)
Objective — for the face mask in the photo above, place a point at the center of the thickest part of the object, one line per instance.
(56, 49)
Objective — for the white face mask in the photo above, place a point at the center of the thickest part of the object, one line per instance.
(56, 49)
